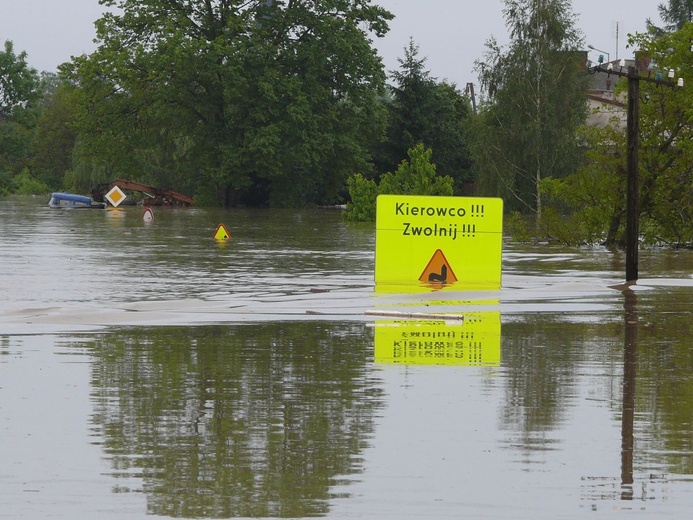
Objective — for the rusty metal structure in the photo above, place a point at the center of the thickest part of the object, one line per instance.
(155, 196)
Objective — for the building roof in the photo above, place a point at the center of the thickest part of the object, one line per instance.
(605, 82)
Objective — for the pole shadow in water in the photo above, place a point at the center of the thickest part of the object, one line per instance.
(629, 376)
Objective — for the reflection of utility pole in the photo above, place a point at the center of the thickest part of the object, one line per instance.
(632, 202)
(470, 92)
(628, 412)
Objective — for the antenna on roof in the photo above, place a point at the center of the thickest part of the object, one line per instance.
(615, 30)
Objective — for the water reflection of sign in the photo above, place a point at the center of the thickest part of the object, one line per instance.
(473, 342)
(115, 196)
(420, 238)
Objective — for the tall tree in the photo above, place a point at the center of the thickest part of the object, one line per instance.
(595, 195)
(19, 83)
(19, 94)
(535, 94)
(423, 110)
(265, 101)
(55, 132)
(666, 141)
(676, 14)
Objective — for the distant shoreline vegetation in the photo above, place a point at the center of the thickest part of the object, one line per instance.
(274, 105)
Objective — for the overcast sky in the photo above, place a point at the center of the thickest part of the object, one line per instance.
(450, 33)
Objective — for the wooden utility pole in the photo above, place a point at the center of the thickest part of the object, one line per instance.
(633, 183)
(633, 195)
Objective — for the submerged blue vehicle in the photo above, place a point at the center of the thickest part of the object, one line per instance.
(70, 200)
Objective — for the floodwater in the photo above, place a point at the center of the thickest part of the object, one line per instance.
(147, 370)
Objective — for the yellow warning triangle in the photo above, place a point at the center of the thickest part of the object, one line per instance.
(438, 270)
(222, 233)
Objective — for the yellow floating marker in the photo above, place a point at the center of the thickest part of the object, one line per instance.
(222, 233)
(429, 242)
(115, 196)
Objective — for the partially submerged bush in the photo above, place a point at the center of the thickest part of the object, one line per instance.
(414, 177)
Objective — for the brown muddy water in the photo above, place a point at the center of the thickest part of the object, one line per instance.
(147, 370)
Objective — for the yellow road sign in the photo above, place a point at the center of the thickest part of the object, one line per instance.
(222, 233)
(438, 270)
(115, 196)
(438, 242)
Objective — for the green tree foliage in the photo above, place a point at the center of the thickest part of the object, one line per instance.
(535, 101)
(19, 83)
(422, 110)
(19, 94)
(589, 206)
(259, 451)
(595, 195)
(26, 184)
(254, 101)
(676, 13)
(55, 132)
(417, 176)
(364, 194)
(666, 141)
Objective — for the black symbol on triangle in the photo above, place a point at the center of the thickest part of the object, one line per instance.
(442, 277)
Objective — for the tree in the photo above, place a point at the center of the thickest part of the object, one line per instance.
(535, 102)
(666, 141)
(19, 93)
(260, 101)
(595, 195)
(55, 132)
(416, 176)
(589, 206)
(676, 14)
(19, 83)
(422, 110)
(451, 135)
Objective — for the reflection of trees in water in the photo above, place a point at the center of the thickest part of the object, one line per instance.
(664, 390)
(656, 405)
(541, 358)
(546, 358)
(249, 420)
